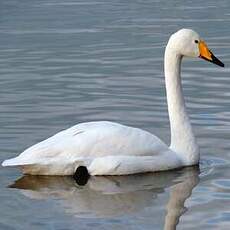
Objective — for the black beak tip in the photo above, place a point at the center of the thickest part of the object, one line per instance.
(213, 60)
(222, 64)
(216, 61)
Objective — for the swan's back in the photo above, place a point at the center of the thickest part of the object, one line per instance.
(87, 141)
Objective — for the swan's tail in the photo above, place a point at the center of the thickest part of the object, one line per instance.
(55, 167)
(14, 162)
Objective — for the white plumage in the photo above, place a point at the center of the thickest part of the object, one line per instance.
(108, 148)
(102, 146)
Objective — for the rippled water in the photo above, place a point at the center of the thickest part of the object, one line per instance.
(64, 62)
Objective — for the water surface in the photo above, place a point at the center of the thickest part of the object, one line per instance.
(65, 62)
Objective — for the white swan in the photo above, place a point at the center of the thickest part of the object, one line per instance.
(108, 148)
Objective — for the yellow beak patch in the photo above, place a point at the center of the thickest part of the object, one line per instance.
(207, 55)
(204, 51)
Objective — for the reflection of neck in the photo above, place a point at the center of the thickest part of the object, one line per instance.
(182, 139)
(178, 195)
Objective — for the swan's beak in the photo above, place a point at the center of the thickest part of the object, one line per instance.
(207, 55)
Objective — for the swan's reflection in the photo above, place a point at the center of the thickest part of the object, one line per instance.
(114, 195)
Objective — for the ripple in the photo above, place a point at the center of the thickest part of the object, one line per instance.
(50, 31)
(223, 185)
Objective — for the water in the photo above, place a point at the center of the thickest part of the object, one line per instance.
(65, 62)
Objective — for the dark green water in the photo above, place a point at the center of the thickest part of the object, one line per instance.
(65, 62)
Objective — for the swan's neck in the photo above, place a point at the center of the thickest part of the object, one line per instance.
(182, 138)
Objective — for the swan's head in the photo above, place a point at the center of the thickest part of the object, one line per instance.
(188, 43)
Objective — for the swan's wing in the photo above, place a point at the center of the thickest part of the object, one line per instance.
(87, 141)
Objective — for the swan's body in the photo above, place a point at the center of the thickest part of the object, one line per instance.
(104, 147)
(108, 148)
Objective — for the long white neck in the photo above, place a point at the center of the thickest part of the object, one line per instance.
(183, 141)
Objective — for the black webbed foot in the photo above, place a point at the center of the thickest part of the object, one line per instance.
(81, 175)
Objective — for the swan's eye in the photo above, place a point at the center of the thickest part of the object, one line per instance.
(196, 41)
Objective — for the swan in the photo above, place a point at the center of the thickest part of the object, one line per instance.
(108, 148)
